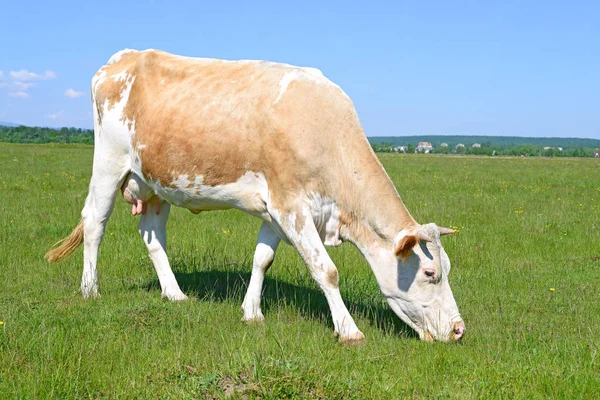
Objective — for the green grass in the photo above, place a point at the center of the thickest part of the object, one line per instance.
(526, 226)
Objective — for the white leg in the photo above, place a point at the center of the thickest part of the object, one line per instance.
(302, 233)
(98, 207)
(153, 229)
(263, 258)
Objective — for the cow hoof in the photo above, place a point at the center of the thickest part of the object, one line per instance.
(353, 339)
(254, 319)
(174, 296)
(90, 294)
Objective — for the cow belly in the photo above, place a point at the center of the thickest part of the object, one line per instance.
(249, 193)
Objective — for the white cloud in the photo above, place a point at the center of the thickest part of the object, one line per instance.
(55, 116)
(20, 94)
(25, 76)
(22, 85)
(72, 93)
(22, 80)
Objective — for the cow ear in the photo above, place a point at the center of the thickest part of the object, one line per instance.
(446, 231)
(405, 246)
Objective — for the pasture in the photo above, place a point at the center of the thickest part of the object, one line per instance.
(525, 275)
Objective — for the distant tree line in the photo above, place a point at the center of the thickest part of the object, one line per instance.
(489, 141)
(488, 149)
(30, 134)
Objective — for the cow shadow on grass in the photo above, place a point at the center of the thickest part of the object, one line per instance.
(230, 286)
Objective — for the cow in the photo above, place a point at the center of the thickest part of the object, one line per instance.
(279, 142)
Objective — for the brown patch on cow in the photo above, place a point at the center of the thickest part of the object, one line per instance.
(300, 222)
(333, 278)
(405, 246)
(216, 119)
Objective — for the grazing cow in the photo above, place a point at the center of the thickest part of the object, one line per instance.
(279, 142)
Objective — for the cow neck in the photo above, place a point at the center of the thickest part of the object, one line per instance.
(372, 209)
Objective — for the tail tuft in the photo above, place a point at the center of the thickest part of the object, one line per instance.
(67, 245)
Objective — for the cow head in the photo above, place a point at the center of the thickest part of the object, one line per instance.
(417, 289)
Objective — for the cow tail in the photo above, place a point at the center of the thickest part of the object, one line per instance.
(66, 246)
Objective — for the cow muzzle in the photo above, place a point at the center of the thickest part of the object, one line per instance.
(458, 330)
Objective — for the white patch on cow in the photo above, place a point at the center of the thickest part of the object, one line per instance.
(181, 182)
(287, 78)
(249, 193)
(113, 123)
(198, 60)
(118, 55)
(296, 73)
(121, 76)
(314, 72)
(326, 216)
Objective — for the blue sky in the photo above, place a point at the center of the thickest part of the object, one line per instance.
(525, 68)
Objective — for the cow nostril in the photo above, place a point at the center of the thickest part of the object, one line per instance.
(459, 330)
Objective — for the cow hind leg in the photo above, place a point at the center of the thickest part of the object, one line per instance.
(104, 186)
(301, 231)
(153, 229)
(263, 258)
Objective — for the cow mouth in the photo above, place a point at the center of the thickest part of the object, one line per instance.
(427, 336)
(457, 332)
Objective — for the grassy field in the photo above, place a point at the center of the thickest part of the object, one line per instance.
(526, 271)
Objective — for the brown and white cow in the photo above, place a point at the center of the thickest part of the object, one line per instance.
(279, 142)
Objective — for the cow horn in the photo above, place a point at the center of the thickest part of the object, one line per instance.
(446, 231)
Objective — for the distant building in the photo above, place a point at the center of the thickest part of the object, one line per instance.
(444, 145)
(400, 149)
(424, 147)
(597, 154)
(557, 148)
(459, 146)
(476, 145)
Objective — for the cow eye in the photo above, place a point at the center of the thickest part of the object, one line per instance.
(429, 273)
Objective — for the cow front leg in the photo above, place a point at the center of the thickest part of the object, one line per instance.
(263, 258)
(302, 233)
(153, 229)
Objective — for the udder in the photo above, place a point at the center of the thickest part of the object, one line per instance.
(138, 194)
